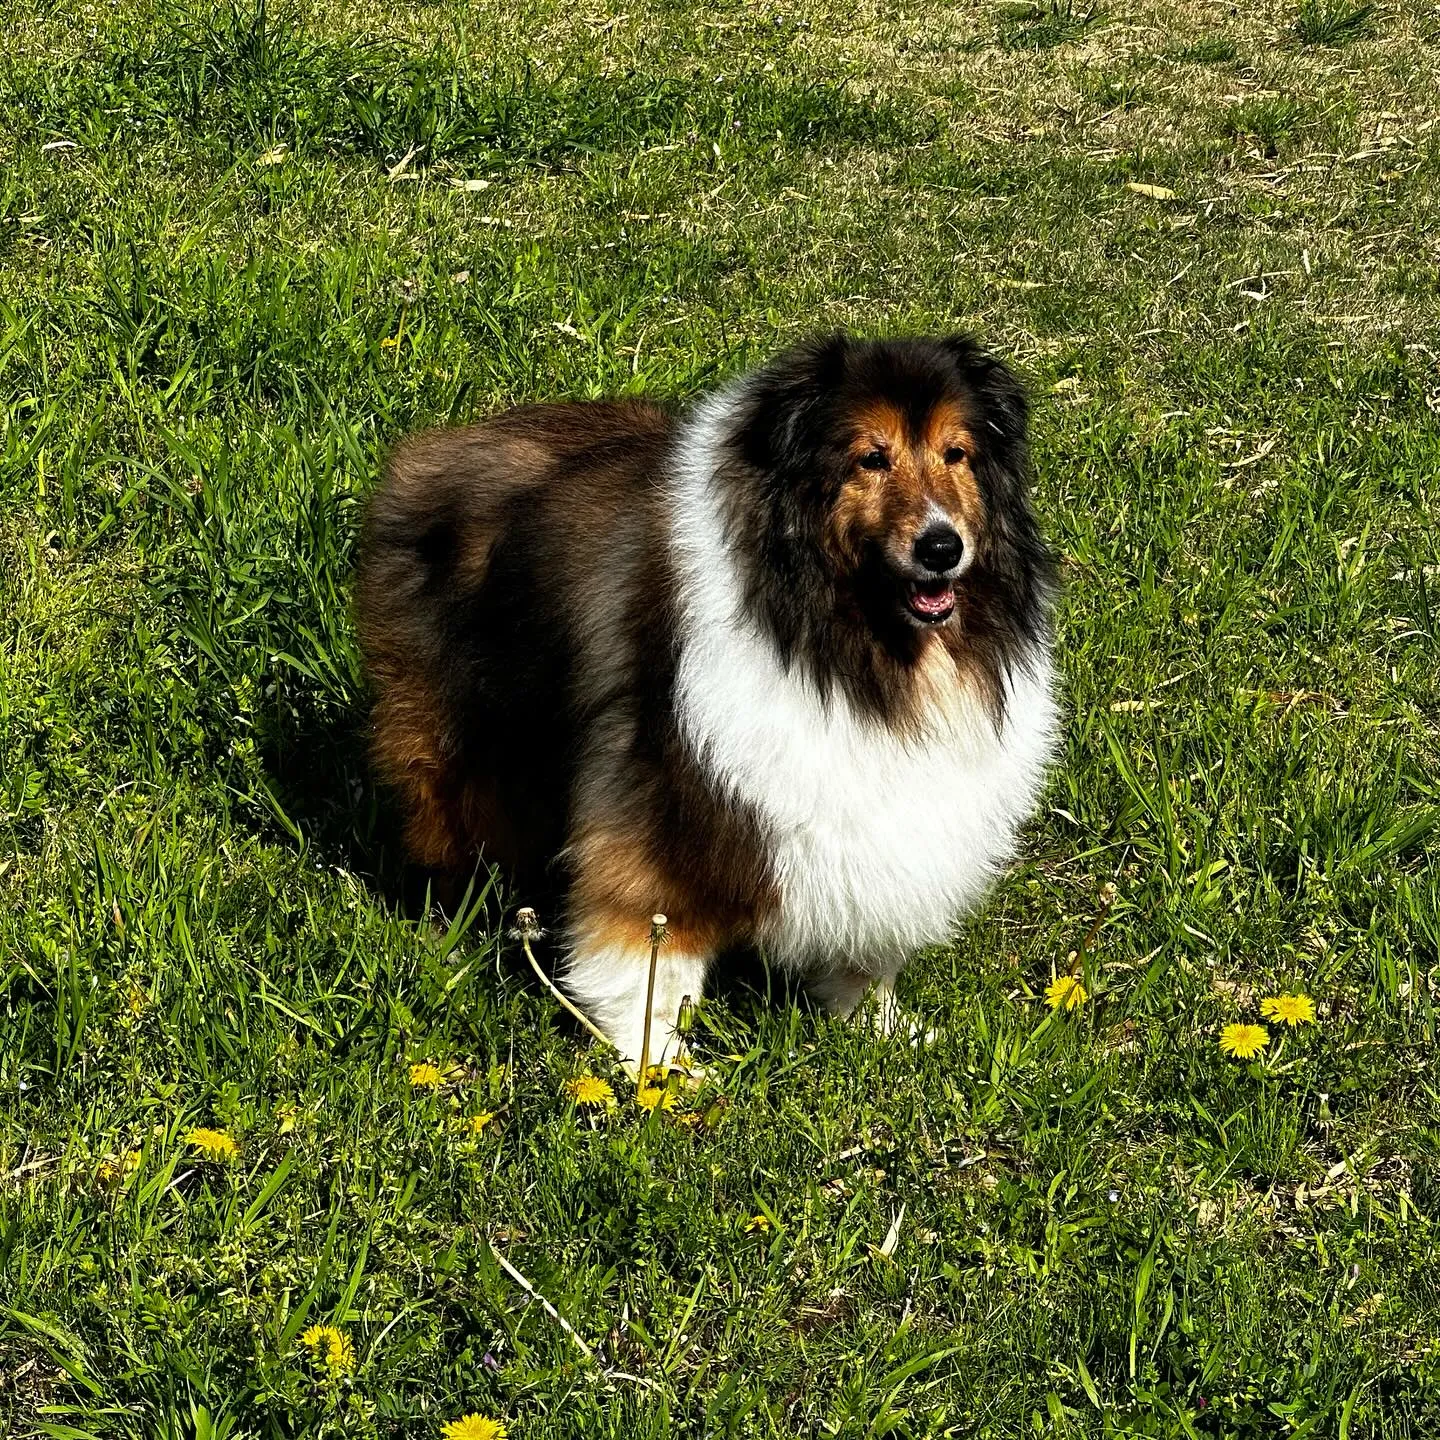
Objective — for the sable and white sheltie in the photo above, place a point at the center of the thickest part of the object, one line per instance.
(778, 667)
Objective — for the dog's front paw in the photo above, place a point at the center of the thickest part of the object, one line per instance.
(868, 1000)
(883, 1013)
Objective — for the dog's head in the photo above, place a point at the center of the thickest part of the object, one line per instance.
(899, 468)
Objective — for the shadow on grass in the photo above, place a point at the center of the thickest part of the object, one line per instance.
(319, 788)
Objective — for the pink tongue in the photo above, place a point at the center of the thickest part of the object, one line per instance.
(933, 602)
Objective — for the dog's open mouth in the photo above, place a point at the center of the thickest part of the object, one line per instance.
(931, 600)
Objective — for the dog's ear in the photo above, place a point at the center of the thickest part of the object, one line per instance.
(993, 380)
(1003, 405)
(787, 403)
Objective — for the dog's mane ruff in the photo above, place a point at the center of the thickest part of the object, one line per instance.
(880, 834)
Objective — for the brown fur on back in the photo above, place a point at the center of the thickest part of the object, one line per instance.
(449, 499)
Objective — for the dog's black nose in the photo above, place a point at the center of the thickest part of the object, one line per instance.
(938, 549)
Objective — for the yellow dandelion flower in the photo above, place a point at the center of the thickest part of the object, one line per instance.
(760, 1224)
(1244, 1041)
(476, 1123)
(474, 1427)
(681, 1074)
(1289, 1009)
(341, 1358)
(425, 1076)
(590, 1090)
(331, 1348)
(213, 1144)
(117, 1167)
(1066, 993)
(651, 1096)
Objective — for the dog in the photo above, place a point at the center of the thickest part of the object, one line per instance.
(779, 668)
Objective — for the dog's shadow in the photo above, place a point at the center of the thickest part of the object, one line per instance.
(320, 789)
(318, 786)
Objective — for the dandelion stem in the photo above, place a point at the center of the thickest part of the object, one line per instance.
(527, 926)
(657, 934)
(1107, 899)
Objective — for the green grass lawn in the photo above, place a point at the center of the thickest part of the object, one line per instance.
(243, 250)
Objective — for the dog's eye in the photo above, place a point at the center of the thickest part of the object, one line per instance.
(954, 455)
(874, 460)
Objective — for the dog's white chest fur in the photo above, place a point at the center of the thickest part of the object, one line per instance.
(879, 842)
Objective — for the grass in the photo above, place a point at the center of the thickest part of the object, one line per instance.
(242, 250)
(1322, 22)
(1035, 26)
